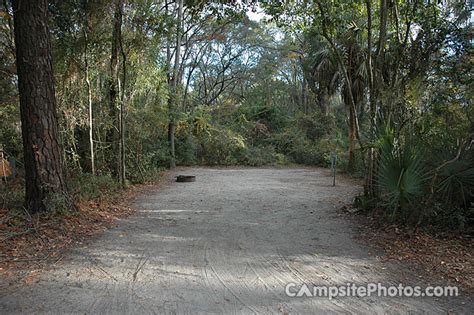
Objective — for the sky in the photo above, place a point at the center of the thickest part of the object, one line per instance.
(258, 15)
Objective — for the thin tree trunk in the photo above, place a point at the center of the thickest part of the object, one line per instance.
(323, 100)
(174, 87)
(353, 120)
(44, 169)
(169, 77)
(186, 88)
(352, 139)
(370, 176)
(122, 114)
(383, 26)
(113, 134)
(89, 101)
(304, 94)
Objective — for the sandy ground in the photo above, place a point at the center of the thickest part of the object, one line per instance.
(226, 244)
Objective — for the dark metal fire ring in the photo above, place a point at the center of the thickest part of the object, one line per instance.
(185, 179)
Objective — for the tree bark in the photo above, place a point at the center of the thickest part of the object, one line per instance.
(352, 139)
(173, 101)
(122, 176)
(89, 98)
(113, 133)
(46, 188)
(323, 100)
(369, 186)
(353, 119)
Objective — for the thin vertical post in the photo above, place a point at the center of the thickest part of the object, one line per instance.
(333, 168)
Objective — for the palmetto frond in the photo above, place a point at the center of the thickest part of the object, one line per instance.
(401, 175)
(456, 184)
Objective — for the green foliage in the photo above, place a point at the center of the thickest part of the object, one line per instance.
(401, 176)
(424, 181)
(248, 95)
(201, 123)
(449, 218)
(306, 152)
(456, 182)
(260, 156)
(150, 175)
(272, 117)
(58, 203)
(12, 194)
(288, 142)
(10, 131)
(315, 125)
(221, 147)
(186, 150)
(301, 150)
(87, 187)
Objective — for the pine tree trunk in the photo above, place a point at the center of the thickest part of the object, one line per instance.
(44, 174)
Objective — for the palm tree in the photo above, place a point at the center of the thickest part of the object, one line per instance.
(355, 64)
(325, 77)
(322, 73)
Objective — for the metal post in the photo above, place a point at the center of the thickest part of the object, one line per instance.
(4, 176)
(12, 162)
(333, 168)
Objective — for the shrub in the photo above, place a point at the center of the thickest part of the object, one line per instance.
(306, 152)
(329, 147)
(186, 150)
(151, 176)
(222, 147)
(272, 117)
(281, 159)
(58, 203)
(12, 193)
(140, 164)
(259, 156)
(401, 175)
(448, 217)
(315, 125)
(10, 131)
(298, 148)
(88, 187)
(455, 182)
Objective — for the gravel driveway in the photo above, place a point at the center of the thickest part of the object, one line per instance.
(228, 243)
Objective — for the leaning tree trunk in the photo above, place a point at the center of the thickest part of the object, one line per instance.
(44, 173)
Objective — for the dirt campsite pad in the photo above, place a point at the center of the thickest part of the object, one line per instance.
(228, 243)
